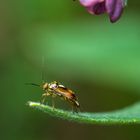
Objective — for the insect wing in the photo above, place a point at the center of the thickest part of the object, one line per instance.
(65, 92)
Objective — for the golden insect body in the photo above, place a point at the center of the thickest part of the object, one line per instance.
(55, 89)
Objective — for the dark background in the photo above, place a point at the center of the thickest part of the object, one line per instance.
(100, 61)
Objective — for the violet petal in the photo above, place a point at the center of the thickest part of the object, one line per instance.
(117, 12)
(97, 8)
(110, 5)
(88, 3)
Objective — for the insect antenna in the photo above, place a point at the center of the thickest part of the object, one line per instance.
(33, 84)
(44, 69)
(43, 76)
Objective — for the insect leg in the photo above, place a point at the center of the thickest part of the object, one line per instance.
(75, 108)
(53, 103)
(72, 108)
(44, 97)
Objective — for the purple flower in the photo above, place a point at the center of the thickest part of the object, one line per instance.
(114, 8)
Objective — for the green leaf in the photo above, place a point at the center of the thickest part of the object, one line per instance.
(128, 115)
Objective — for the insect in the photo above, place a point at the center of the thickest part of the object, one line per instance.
(56, 89)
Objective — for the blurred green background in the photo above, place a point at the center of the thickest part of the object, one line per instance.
(100, 61)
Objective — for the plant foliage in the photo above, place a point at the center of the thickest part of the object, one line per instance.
(128, 115)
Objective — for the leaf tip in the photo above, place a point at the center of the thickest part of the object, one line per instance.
(33, 104)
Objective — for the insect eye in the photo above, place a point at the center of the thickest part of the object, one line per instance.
(53, 86)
